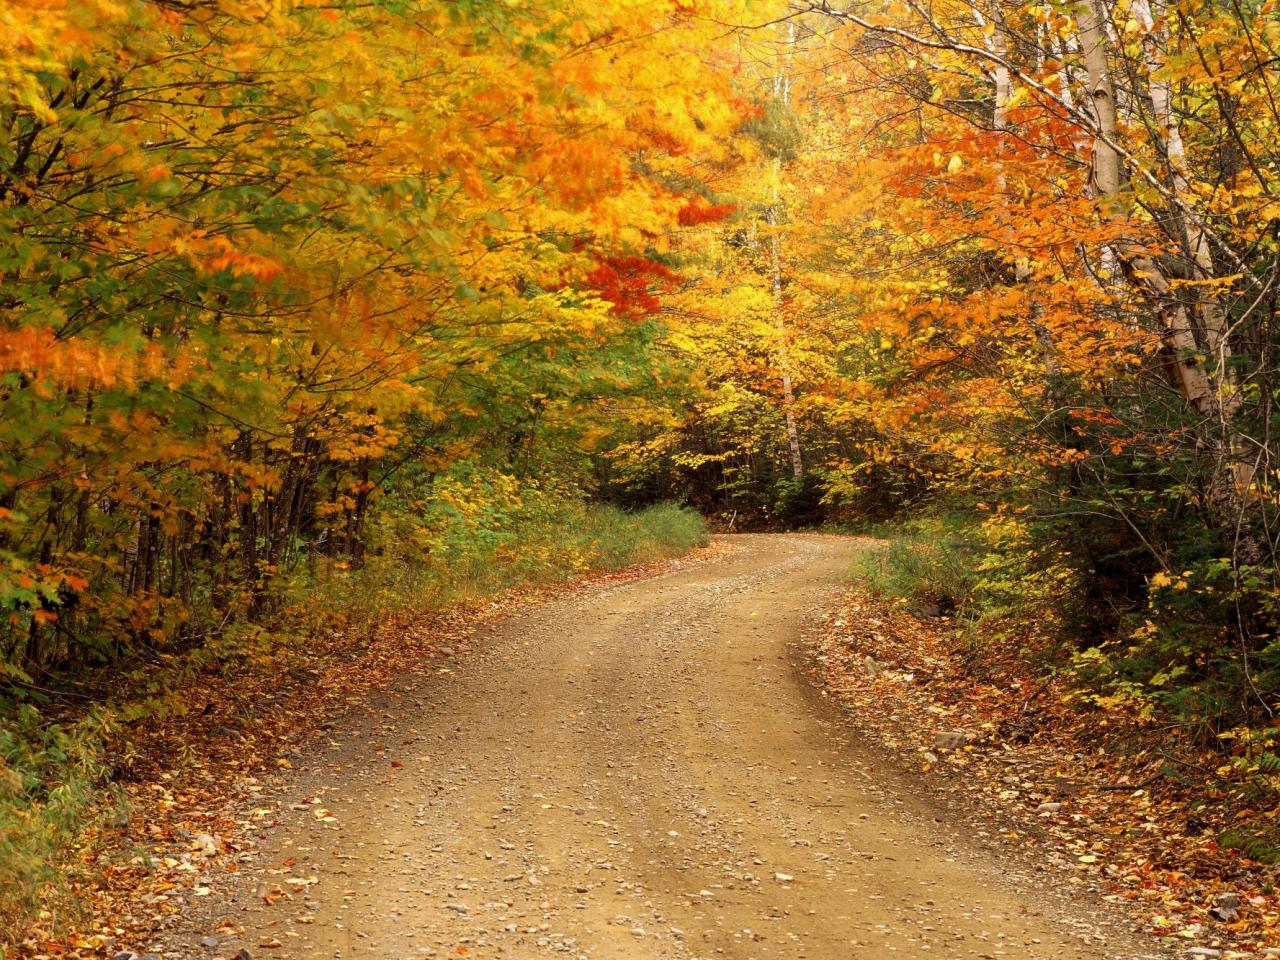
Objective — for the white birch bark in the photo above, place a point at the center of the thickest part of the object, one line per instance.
(1202, 388)
(1213, 328)
(999, 46)
(1107, 178)
(773, 216)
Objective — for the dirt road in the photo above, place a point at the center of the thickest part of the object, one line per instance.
(637, 771)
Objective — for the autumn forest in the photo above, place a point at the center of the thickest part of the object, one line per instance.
(319, 316)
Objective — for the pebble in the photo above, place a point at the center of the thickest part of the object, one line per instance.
(950, 739)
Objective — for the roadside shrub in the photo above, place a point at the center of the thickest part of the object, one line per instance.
(50, 780)
(932, 564)
(1188, 638)
(476, 532)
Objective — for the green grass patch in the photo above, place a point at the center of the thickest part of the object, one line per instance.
(51, 784)
(523, 548)
(931, 563)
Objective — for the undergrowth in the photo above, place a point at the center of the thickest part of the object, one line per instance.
(467, 558)
(930, 563)
(51, 780)
(1010, 593)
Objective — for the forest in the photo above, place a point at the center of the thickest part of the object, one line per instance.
(319, 312)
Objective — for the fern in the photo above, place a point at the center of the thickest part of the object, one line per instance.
(1259, 847)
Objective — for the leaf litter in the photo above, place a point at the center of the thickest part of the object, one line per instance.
(1110, 804)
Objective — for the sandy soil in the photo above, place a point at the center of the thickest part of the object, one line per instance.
(635, 771)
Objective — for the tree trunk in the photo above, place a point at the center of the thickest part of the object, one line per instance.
(773, 216)
(1201, 388)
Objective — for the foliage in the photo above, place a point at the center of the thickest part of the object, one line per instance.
(1137, 807)
(1048, 287)
(484, 534)
(365, 300)
(259, 262)
(932, 565)
(50, 786)
(305, 304)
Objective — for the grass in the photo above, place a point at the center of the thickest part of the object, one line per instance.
(519, 551)
(929, 562)
(51, 780)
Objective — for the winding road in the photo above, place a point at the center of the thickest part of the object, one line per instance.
(634, 772)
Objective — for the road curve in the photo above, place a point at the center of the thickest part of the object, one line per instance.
(635, 772)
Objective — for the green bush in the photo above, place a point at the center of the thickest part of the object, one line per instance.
(1167, 644)
(481, 534)
(932, 564)
(50, 782)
